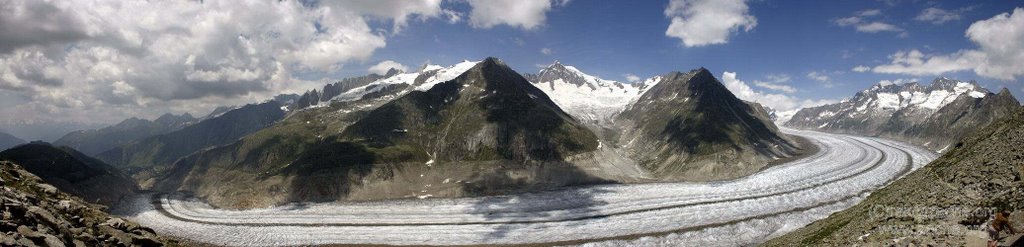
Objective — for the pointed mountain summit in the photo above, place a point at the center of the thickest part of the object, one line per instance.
(689, 124)
(464, 136)
(498, 114)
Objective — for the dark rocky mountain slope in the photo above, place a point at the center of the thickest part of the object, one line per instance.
(690, 127)
(73, 172)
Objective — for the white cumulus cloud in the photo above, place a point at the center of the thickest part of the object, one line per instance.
(999, 53)
(525, 14)
(707, 22)
(779, 102)
(106, 60)
(383, 67)
(861, 68)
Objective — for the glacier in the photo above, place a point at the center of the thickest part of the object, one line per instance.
(768, 203)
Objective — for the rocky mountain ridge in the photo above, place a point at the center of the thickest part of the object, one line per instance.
(934, 116)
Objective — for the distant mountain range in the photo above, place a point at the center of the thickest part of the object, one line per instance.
(93, 142)
(9, 141)
(934, 116)
(144, 158)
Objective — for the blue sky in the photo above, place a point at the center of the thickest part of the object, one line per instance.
(77, 64)
(610, 39)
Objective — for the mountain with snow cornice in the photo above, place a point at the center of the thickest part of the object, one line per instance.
(588, 98)
(935, 116)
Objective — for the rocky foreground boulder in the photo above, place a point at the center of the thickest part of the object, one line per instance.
(33, 213)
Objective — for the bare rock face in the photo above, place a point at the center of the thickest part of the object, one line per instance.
(36, 214)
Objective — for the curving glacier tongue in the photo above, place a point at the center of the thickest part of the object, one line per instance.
(771, 202)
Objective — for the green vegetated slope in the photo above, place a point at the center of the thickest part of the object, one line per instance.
(152, 156)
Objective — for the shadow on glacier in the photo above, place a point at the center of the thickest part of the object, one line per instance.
(573, 201)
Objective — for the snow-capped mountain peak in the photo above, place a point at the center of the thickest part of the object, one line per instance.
(586, 97)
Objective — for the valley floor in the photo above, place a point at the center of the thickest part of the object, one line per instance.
(743, 211)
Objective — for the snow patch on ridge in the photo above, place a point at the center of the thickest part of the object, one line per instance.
(593, 100)
(441, 74)
(446, 74)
